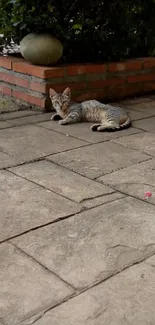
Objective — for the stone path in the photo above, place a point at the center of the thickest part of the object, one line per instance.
(77, 238)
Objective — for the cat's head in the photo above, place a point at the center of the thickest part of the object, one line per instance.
(61, 102)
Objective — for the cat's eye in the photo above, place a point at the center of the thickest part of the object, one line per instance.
(56, 103)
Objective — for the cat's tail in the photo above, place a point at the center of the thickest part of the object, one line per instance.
(126, 124)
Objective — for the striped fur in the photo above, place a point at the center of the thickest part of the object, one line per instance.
(106, 117)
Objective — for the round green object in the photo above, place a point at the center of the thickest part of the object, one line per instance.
(41, 49)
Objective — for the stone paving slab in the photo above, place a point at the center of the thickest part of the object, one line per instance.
(90, 203)
(26, 287)
(146, 124)
(30, 119)
(143, 142)
(127, 298)
(137, 115)
(98, 159)
(31, 142)
(97, 243)
(61, 181)
(24, 205)
(4, 125)
(151, 260)
(144, 107)
(7, 161)
(148, 106)
(135, 180)
(17, 114)
(104, 232)
(136, 100)
(82, 131)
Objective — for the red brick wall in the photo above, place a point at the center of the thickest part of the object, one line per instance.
(109, 81)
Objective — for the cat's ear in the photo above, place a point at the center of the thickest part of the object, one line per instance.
(67, 92)
(52, 92)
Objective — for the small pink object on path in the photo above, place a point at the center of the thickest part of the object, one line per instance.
(147, 195)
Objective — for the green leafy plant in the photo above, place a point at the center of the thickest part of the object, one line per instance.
(91, 30)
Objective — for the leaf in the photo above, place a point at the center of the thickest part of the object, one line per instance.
(77, 26)
(50, 8)
(77, 32)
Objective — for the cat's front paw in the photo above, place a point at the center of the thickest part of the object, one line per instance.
(61, 122)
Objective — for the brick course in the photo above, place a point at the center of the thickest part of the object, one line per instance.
(109, 81)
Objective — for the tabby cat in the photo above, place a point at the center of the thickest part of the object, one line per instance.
(108, 118)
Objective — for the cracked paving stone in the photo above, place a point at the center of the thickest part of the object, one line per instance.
(136, 100)
(135, 180)
(137, 115)
(98, 159)
(101, 200)
(30, 119)
(147, 124)
(82, 131)
(151, 261)
(62, 181)
(95, 244)
(148, 106)
(30, 142)
(7, 161)
(26, 287)
(143, 142)
(24, 205)
(17, 114)
(127, 298)
(4, 125)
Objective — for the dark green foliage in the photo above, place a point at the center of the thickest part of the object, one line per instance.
(90, 30)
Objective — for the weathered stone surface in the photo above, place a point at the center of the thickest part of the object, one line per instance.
(31, 142)
(127, 298)
(24, 205)
(147, 124)
(61, 180)
(114, 232)
(82, 131)
(101, 200)
(148, 106)
(26, 289)
(4, 125)
(144, 142)
(17, 114)
(33, 119)
(135, 180)
(98, 159)
(151, 260)
(95, 244)
(7, 161)
(136, 100)
(137, 115)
